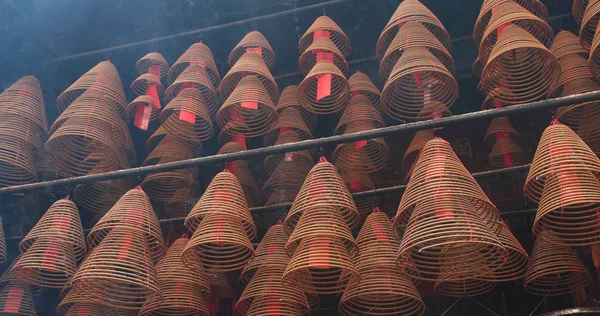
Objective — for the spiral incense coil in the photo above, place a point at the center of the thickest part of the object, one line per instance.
(49, 262)
(578, 10)
(554, 269)
(594, 58)
(270, 252)
(477, 67)
(491, 102)
(339, 90)
(514, 265)
(253, 39)
(16, 299)
(17, 162)
(141, 84)
(249, 64)
(99, 197)
(288, 119)
(180, 203)
(103, 77)
(560, 151)
(589, 131)
(360, 157)
(152, 60)
(102, 272)
(589, 23)
(503, 147)
(163, 186)
(289, 99)
(331, 30)
(248, 183)
(500, 125)
(361, 84)
(196, 54)
(357, 182)
(274, 306)
(195, 77)
(572, 67)
(221, 242)
(184, 288)
(464, 288)
(219, 285)
(74, 304)
(574, 115)
(133, 212)
(377, 243)
(566, 43)
(23, 133)
(230, 148)
(143, 100)
(24, 98)
(156, 138)
(359, 111)
(323, 188)
(413, 34)
(188, 101)
(414, 149)
(290, 136)
(323, 45)
(285, 182)
(417, 79)
(522, 63)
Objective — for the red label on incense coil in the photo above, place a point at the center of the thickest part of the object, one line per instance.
(257, 50)
(355, 186)
(232, 167)
(360, 144)
(154, 94)
(51, 253)
(125, 246)
(155, 70)
(320, 33)
(219, 231)
(323, 55)
(318, 255)
(323, 86)
(417, 79)
(195, 60)
(240, 139)
(273, 306)
(13, 301)
(142, 116)
(250, 99)
(283, 130)
(379, 232)
(185, 115)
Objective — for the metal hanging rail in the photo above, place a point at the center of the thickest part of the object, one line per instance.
(308, 144)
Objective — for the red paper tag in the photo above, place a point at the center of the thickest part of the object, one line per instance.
(250, 99)
(232, 167)
(13, 301)
(50, 255)
(142, 116)
(187, 116)
(155, 70)
(502, 27)
(257, 50)
(355, 93)
(273, 306)
(320, 33)
(323, 86)
(125, 246)
(379, 232)
(318, 255)
(240, 139)
(219, 231)
(445, 214)
(186, 85)
(154, 94)
(222, 196)
(507, 157)
(360, 144)
(497, 104)
(417, 79)
(195, 60)
(356, 186)
(283, 130)
(323, 55)
(253, 105)
(213, 303)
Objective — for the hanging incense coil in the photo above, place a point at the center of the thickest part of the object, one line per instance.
(141, 84)
(274, 306)
(339, 92)
(285, 182)
(249, 64)
(414, 149)
(180, 203)
(360, 83)
(16, 299)
(156, 138)
(219, 285)
(589, 23)
(9, 275)
(184, 288)
(289, 99)
(233, 131)
(319, 48)
(413, 34)
(357, 182)
(24, 98)
(417, 79)
(74, 304)
(574, 115)
(491, 102)
(196, 54)
(248, 183)
(520, 63)
(500, 125)
(188, 103)
(152, 60)
(248, 103)
(359, 111)
(590, 132)
(133, 212)
(288, 119)
(22, 131)
(594, 58)
(554, 269)
(270, 252)
(477, 67)
(411, 10)
(195, 77)
(290, 136)
(514, 265)
(503, 147)
(323, 26)
(377, 243)
(99, 197)
(100, 272)
(49, 262)
(17, 161)
(433, 111)
(143, 100)
(560, 151)
(253, 40)
(358, 156)
(572, 67)
(566, 43)
(578, 10)
(323, 188)
(221, 242)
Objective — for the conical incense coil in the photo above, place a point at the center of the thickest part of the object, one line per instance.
(560, 151)
(414, 149)
(196, 54)
(503, 126)
(221, 242)
(274, 306)
(377, 243)
(141, 84)
(285, 182)
(124, 282)
(230, 148)
(521, 64)
(572, 67)
(156, 138)
(249, 64)
(250, 104)
(154, 59)
(323, 26)
(180, 203)
(594, 59)
(361, 84)
(433, 111)
(223, 196)
(449, 229)
(574, 115)
(10, 275)
(503, 148)
(359, 111)
(127, 151)
(270, 252)
(184, 288)
(143, 100)
(477, 67)
(219, 285)
(322, 188)
(321, 264)
(16, 299)
(103, 77)
(590, 132)
(99, 197)
(413, 34)
(589, 23)
(322, 48)
(578, 9)
(195, 77)
(288, 119)
(188, 108)
(17, 161)
(324, 90)
(49, 262)
(233, 131)
(464, 288)
(289, 99)
(290, 136)
(359, 156)
(248, 183)
(417, 79)
(492, 102)
(256, 42)
(24, 133)
(411, 10)
(162, 186)
(514, 265)
(570, 206)
(566, 43)
(554, 269)
(357, 182)
(133, 212)
(74, 304)
(24, 98)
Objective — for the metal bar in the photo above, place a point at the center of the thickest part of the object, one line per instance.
(309, 144)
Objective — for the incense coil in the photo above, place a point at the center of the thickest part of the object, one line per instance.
(360, 110)
(492, 102)
(500, 125)
(569, 207)
(339, 90)
(156, 138)
(594, 58)
(99, 197)
(196, 54)
(164, 185)
(253, 39)
(249, 64)
(377, 244)
(417, 79)
(477, 67)
(589, 23)
(360, 83)
(133, 212)
(589, 131)
(274, 306)
(141, 84)
(180, 204)
(566, 43)
(503, 147)
(233, 131)
(464, 288)
(10, 275)
(358, 156)
(523, 64)
(407, 11)
(432, 111)
(413, 34)
(189, 101)
(143, 100)
(152, 59)
(288, 119)
(21, 130)
(323, 187)
(248, 183)
(221, 242)
(16, 299)
(24, 98)
(285, 182)
(321, 264)
(103, 77)
(578, 9)
(219, 285)
(560, 151)
(336, 35)
(289, 136)
(514, 265)
(554, 269)
(289, 99)
(49, 262)
(572, 67)
(230, 148)
(74, 304)
(195, 77)
(414, 149)
(574, 115)
(258, 120)
(270, 252)
(17, 162)
(357, 182)
(309, 57)
(184, 288)
(124, 283)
